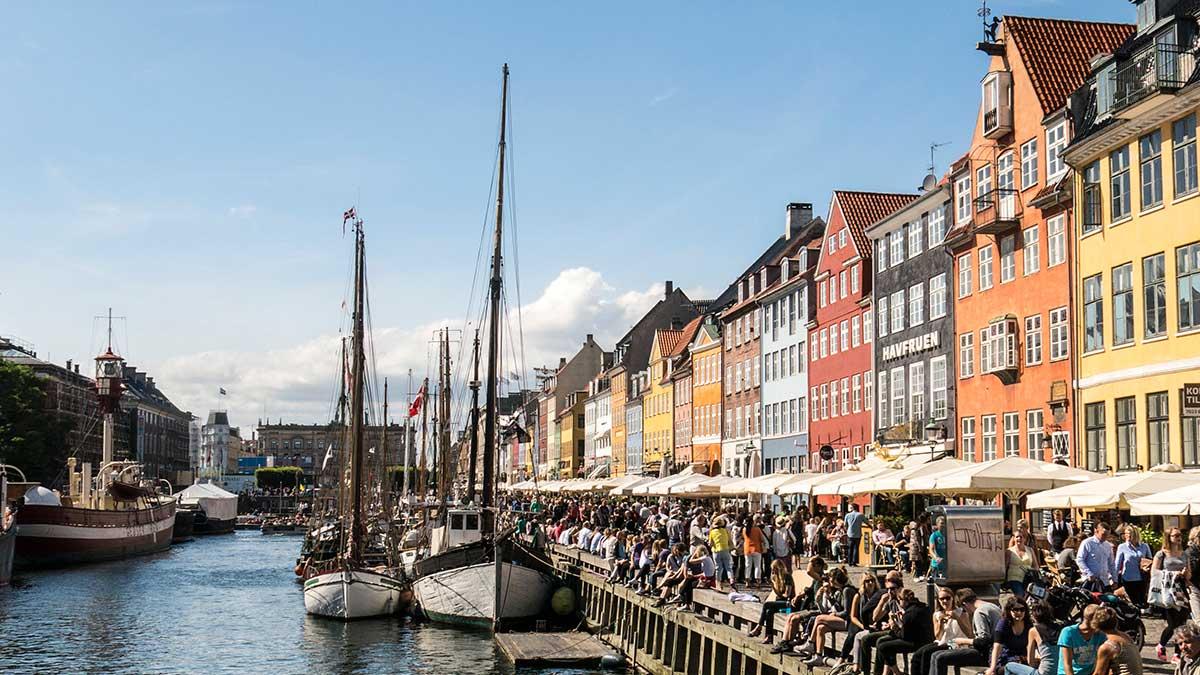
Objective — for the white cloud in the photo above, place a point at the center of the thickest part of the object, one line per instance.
(664, 96)
(243, 211)
(299, 383)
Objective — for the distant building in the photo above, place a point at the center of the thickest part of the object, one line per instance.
(159, 431)
(305, 445)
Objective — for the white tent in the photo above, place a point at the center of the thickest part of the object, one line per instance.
(804, 483)
(762, 485)
(1181, 501)
(627, 487)
(842, 485)
(659, 486)
(1011, 476)
(1112, 492)
(218, 504)
(896, 481)
(700, 486)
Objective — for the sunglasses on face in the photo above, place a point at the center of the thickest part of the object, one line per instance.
(945, 598)
(1018, 610)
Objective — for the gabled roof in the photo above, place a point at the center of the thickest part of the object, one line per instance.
(1058, 52)
(667, 339)
(685, 336)
(860, 209)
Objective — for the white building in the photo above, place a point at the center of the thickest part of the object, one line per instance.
(786, 313)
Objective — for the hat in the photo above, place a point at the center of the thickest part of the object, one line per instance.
(781, 520)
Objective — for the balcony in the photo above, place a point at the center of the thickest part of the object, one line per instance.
(1091, 215)
(998, 211)
(997, 104)
(1159, 70)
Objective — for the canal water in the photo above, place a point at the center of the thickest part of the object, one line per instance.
(214, 605)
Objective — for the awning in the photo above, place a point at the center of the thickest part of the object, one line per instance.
(660, 486)
(627, 488)
(896, 481)
(846, 477)
(699, 485)
(1112, 492)
(1011, 476)
(762, 485)
(804, 483)
(1180, 501)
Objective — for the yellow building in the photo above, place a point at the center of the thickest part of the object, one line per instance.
(658, 410)
(570, 425)
(1137, 254)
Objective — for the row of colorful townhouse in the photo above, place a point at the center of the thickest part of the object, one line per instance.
(1041, 299)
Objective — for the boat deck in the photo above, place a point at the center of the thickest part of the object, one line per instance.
(559, 649)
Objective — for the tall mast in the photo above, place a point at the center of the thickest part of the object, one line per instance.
(446, 484)
(356, 399)
(386, 482)
(343, 449)
(422, 472)
(408, 467)
(473, 420)
(489, 422)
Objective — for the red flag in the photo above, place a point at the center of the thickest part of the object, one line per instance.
(415, 408)
(348, 215)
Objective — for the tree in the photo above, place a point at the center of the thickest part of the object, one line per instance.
(31, 437)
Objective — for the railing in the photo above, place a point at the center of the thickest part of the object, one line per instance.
(997, 210)
(990, 119)
(1162, 67)
(1090, 218)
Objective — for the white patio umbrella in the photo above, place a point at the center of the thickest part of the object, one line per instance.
(1181, 501)
(1010, 476)
(847, 477)
(659, 487)
(1112, 492)
(761, 485)
(700, 486)
(627, 487)
(895, 481)
(804, 483)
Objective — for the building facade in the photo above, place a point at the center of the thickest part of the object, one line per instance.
(741, 447)
(706, 358)
(1012, 246)
(633, 424)
(1137, 281)
(914, 357)
(787, 309)
(658, 405)
(571, 424)
(305, 445)
(840, 359)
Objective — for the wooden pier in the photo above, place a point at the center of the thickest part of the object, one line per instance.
(573, 649)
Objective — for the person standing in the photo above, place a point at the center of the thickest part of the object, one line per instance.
(1169, 564)
(754, 542)
(1097, 565)
(1058, 531)
(1019, 562)
(1133, 565)
(781, 542)
(854, 524)
(721, 543)
(937, 549)
(1192, 576)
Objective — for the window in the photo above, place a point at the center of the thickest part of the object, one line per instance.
(1005, 180)
(1091, 198)
(856, 392)
(1187, 275)
(1093, 314)
(883, 316)
(867, 327)
(1118, 167)
(1031, 248)
(983, 181)
(823, 293)
(833, 339)
(1029, 164)
(815, 354)
(1008, 259)
(1150, 158)
(842, 283)
(897, 311)
(937, 226)
(964, 275)
(916, 390)
(1056, 241)
(1033, 434)
(842, 238)
(962, 200)
(824, 342)
(916, 233)
(966, 355)
(897, 239)
(985, 352)
(989, 437)
(985, 267)
(855, 340)
(799, 420)
(854, 279)
(1183, 141)
(845, 396)
(1058, 334)
(883, 399)
(1093, 423)
(899, 394)
(1126, 433)
(867, 396)
(881, 257)
(825, 401)
(845, 326)
(1033, 340)
(832, 243)
(814, 396)
(1146, 14)
(1158, 425)
(1154, 295)
(937, 296)
(968, 439)
(937, 388)
(1012, 434)
(1056, 142)
(1001, 346)
(916, 305)
(1122, 304)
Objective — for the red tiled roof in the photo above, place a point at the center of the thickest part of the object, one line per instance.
(1058, 52)
(668, 339)
(861, 209)
(686, 336)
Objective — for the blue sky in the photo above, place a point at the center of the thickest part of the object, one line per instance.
(187, 163)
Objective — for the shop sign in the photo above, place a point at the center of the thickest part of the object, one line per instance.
(1191, 400)
(912, 346)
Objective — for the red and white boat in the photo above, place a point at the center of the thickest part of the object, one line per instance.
(112, 515)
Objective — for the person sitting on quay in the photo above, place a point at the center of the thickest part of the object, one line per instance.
(1187, 637)
(783, 591)
(1119, 654)
(700, 572)
(886, 611)
(840, 598)
(1079, 644)
(862, 609)
(974, 651)
(804, 606)
(950, 623)
(1011, 644)
(913, 628)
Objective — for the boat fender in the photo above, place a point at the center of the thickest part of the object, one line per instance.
(612, 662)
(563, 601)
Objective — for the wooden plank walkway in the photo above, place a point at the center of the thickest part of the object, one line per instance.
(560, 649)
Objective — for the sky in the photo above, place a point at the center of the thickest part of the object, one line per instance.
(187, 164)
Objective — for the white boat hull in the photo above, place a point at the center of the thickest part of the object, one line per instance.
(466, 595)
(352, 594)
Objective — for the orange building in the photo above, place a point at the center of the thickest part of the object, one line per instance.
(1011, 242)
(706, 394)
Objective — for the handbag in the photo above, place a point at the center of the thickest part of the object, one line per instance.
(1162, 590)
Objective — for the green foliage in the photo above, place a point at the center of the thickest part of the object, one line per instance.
(31, 437)
(278, 476)
(1151, 538)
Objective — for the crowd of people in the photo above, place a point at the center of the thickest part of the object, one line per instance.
(668, 550)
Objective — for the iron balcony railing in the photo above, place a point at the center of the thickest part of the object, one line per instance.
(997, 210)
(1159, 68)
(1090, 218)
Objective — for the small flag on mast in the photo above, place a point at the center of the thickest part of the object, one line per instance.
(347, 216)
(328, 456)
(415, 408)
(221, 391)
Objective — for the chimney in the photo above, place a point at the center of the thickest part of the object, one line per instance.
(670, 286)
(562, 362)
(589, 340)
(76, 368)
(799, 214)
(68, 365)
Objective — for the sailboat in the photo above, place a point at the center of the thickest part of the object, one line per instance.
(348, 586)
(116, 513)
(477, 575)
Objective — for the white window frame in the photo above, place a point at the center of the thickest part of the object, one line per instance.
(936, 226)
(985, 265)
(1056, 143)
(938, 388)
(1056, 240)
(898, 311)
(916, 237)
(855, 336)
(1060, 335)
(966, 355)
(937, 296)
(867, 334)
(1012, 434)
(1029, 163)
(882, 304)
(899, 396)
(1031, 250)
(967, 435)
(916, 390)
(897, 246)
(965, 270)
(962, 199)
(916, 305)
(1033, 340)
(1008, 258)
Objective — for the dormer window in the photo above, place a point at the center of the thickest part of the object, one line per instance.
(1147, 14)
(785, 271)
(997, 104)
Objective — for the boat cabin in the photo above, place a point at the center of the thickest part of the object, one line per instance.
(462, 526)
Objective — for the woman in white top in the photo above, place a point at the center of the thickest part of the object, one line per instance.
(949, 623)
(1020, 559)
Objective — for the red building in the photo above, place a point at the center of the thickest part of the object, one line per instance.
(840, 358)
